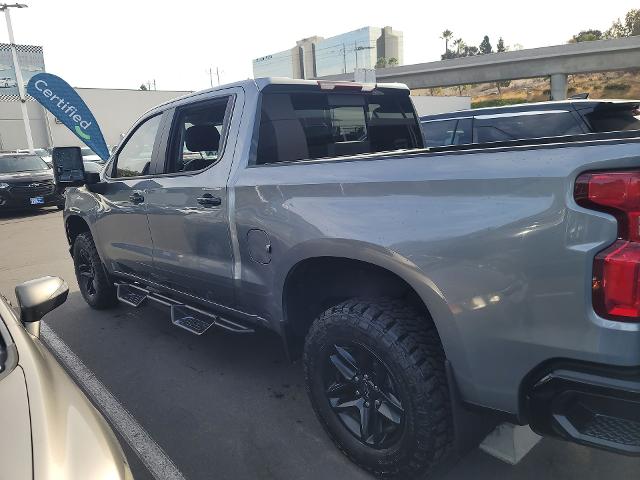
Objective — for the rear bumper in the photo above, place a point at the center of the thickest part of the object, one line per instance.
(588, 404)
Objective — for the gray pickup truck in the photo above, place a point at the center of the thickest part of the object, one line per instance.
(429, 292)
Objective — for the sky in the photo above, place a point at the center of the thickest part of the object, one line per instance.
(122, 44)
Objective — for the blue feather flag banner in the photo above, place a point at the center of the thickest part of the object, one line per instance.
(57, 96)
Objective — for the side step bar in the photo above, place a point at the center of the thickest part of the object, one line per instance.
(190, 318)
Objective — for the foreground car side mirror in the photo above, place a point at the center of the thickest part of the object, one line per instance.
(38, 297)
(68, 167)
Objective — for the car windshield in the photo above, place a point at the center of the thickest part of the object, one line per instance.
(86, 151)
(21, 163)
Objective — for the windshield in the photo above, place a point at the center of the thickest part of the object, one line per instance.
(86, 151)
(22, 163)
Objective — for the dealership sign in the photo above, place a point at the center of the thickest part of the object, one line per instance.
(57, 96)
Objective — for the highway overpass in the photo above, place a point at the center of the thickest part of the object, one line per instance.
(556, 62)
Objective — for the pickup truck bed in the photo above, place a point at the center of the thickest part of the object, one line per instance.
(471, 269)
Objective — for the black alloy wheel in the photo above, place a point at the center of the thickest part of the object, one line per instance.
(362, 392)
(95, 286)
(85, 273)
(374, 369)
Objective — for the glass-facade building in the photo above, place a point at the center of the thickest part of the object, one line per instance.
(281, 64)
(318, 57)
(346, 52)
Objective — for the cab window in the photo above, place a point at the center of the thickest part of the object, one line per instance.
(303, 126)
(134, 159)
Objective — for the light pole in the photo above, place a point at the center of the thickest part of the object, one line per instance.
(16, 66)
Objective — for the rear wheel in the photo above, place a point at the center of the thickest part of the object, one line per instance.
(375, 376)
(95, 286)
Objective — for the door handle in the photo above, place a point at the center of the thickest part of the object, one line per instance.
(136, 197)
(209, 200)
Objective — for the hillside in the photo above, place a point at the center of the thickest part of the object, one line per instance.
(625, 85)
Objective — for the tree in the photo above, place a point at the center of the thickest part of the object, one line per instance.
(392, 62)
(627, 28)
(446, 36)
(501, 47)
(449, 54)
(502, 84)
(586, 36)
(142, 87)
(459, 44)
(381, 63)
(485, 46)
(471, 51)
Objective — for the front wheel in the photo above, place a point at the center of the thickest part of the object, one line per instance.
(95, 286)
(375, 376)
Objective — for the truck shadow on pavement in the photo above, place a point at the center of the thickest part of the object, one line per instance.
(29, 213)
(224, 403)
(232, 406)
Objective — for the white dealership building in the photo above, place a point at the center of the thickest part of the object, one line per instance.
(114, 109)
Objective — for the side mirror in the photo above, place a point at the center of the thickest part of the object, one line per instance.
(68, 167)
(38, 297)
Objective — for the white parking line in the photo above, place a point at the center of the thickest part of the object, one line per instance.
(153, 457)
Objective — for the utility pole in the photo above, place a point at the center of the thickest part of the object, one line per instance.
(344, 57)
(16, 66)
(154, 84)
(355, 51)
(211, 76)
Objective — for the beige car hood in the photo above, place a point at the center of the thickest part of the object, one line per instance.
(70, 438)
(15, 427)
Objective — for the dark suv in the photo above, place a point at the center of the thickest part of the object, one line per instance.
(530, 120)
(26, 181)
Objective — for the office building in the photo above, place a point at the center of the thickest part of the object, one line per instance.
(317, 56)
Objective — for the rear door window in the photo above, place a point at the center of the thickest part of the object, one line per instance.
(452, 131)
(464, 132)
(300, 126)
(525, 125)
(198, 136)
(613, 118)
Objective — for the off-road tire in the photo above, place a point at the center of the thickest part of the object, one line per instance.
(102, 294)
(409, 345)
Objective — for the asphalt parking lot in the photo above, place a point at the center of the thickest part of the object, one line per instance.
(225, 406)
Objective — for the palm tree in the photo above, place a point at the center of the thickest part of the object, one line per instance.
(446, 36)
(459, 44)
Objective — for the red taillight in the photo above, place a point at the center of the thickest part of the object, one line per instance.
(616, 270)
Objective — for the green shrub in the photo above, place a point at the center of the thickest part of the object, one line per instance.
(618, 87)
(497, 102)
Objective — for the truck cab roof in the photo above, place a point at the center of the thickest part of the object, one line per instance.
(262, 83)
